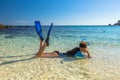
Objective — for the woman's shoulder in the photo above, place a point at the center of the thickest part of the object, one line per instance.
(74, 50)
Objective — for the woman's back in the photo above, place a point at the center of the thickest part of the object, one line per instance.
(72, 52)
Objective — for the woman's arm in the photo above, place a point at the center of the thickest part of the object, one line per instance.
(88, 54)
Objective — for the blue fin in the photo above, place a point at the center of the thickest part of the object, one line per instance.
(48, 35)
(39, 29)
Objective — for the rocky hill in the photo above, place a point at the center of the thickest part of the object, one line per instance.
(3, 27)
(117, 24)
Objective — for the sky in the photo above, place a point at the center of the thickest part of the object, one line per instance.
(60, 12)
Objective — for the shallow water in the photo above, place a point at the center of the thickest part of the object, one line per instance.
(104, 46)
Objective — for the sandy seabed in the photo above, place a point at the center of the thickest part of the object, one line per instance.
(27, 68)
(41, 69)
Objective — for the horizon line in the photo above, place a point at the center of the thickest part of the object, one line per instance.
(63, 25)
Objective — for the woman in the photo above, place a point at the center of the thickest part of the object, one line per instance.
(79, 52)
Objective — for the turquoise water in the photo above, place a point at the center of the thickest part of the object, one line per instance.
(62, 38)
(104, 45)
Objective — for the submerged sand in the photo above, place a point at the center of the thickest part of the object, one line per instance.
(27, 68)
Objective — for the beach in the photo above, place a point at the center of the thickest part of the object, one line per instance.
(18, 46)
(43, 69)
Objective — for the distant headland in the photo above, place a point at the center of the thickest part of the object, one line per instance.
(4, 26)
(116, 24)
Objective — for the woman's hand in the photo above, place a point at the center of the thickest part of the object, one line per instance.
(89, 56)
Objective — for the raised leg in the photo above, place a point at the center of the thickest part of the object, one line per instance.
(46, 43)
(41, 50)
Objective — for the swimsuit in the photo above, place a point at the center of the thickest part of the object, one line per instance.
(79, 55)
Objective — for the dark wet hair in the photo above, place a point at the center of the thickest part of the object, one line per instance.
(83, 44)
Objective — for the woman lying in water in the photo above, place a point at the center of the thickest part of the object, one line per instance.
(79, 52)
